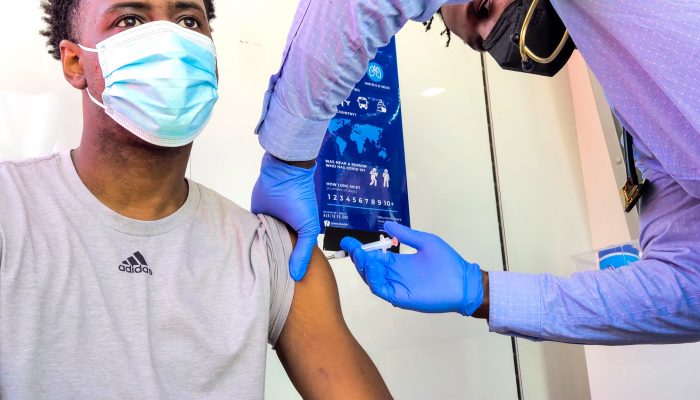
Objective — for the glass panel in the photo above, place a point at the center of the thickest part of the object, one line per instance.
(544, 207)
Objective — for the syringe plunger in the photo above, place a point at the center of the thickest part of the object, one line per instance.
(384, 243)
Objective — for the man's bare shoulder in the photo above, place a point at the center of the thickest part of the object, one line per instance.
(320, 354)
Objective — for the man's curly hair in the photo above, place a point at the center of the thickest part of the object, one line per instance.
(429, 24)
(61, 17)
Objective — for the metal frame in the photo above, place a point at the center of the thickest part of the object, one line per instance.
(499, 213)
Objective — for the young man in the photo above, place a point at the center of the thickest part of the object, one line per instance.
(119, 278)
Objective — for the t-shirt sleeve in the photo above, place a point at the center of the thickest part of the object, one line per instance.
(279, 250)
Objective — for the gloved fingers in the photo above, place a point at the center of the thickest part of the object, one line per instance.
(402, 294)
(310, 227)
(352, 245)
(258, 198)
(287, 192)
(301, 256)
(386, 259)
(370, 269)
(280, 187)
(394, 274)
(375, 277)
(349, 244)
(406, 235)
(358, 256)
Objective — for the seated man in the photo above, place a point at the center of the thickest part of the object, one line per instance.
(119, 278)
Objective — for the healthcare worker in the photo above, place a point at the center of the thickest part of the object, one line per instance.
(647, 58)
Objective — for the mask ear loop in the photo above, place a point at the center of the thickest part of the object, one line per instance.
(94, 100)
(525, 53)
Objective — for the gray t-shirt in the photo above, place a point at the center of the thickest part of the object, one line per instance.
(94, 305)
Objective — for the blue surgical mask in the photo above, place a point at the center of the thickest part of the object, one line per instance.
(160, 82)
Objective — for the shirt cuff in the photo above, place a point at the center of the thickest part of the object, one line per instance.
(289, 137)
(515, 304)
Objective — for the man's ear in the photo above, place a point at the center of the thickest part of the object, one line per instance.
(72, 69)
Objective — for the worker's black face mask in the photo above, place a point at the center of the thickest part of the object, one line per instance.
(544, 34)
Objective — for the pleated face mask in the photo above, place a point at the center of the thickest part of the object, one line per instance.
(160, 82)
(528, 28)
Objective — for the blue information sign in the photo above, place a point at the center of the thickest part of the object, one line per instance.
(361, 175)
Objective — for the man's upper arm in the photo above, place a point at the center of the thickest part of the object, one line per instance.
(319, 353)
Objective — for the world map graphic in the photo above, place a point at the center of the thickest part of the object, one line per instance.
(364, 137)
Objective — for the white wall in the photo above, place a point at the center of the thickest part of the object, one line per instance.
(39, 112)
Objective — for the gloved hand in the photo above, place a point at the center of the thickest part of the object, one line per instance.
(287, 193)
(434, 280)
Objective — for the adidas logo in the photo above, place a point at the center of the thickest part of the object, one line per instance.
(136, 264)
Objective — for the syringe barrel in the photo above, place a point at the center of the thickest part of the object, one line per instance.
(384, 243)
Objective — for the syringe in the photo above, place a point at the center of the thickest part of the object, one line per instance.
(383, 244)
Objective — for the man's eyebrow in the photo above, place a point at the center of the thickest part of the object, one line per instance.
(144, 6)
(187, 5)
(138, 5)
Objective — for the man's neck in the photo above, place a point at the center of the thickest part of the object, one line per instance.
(136, 180)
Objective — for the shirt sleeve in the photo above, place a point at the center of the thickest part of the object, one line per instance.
(656, 97)
(279, 250)
(328, 50)
(648, 302)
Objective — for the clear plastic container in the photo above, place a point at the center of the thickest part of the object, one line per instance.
(610, 257)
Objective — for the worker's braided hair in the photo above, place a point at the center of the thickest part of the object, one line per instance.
(61, 17)
(429, 24)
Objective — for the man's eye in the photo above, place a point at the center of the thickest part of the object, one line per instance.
(189, 23)
(484, 9)
(128, 22)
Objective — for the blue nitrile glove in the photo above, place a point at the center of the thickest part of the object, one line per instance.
(287, 192)
(434, 280)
